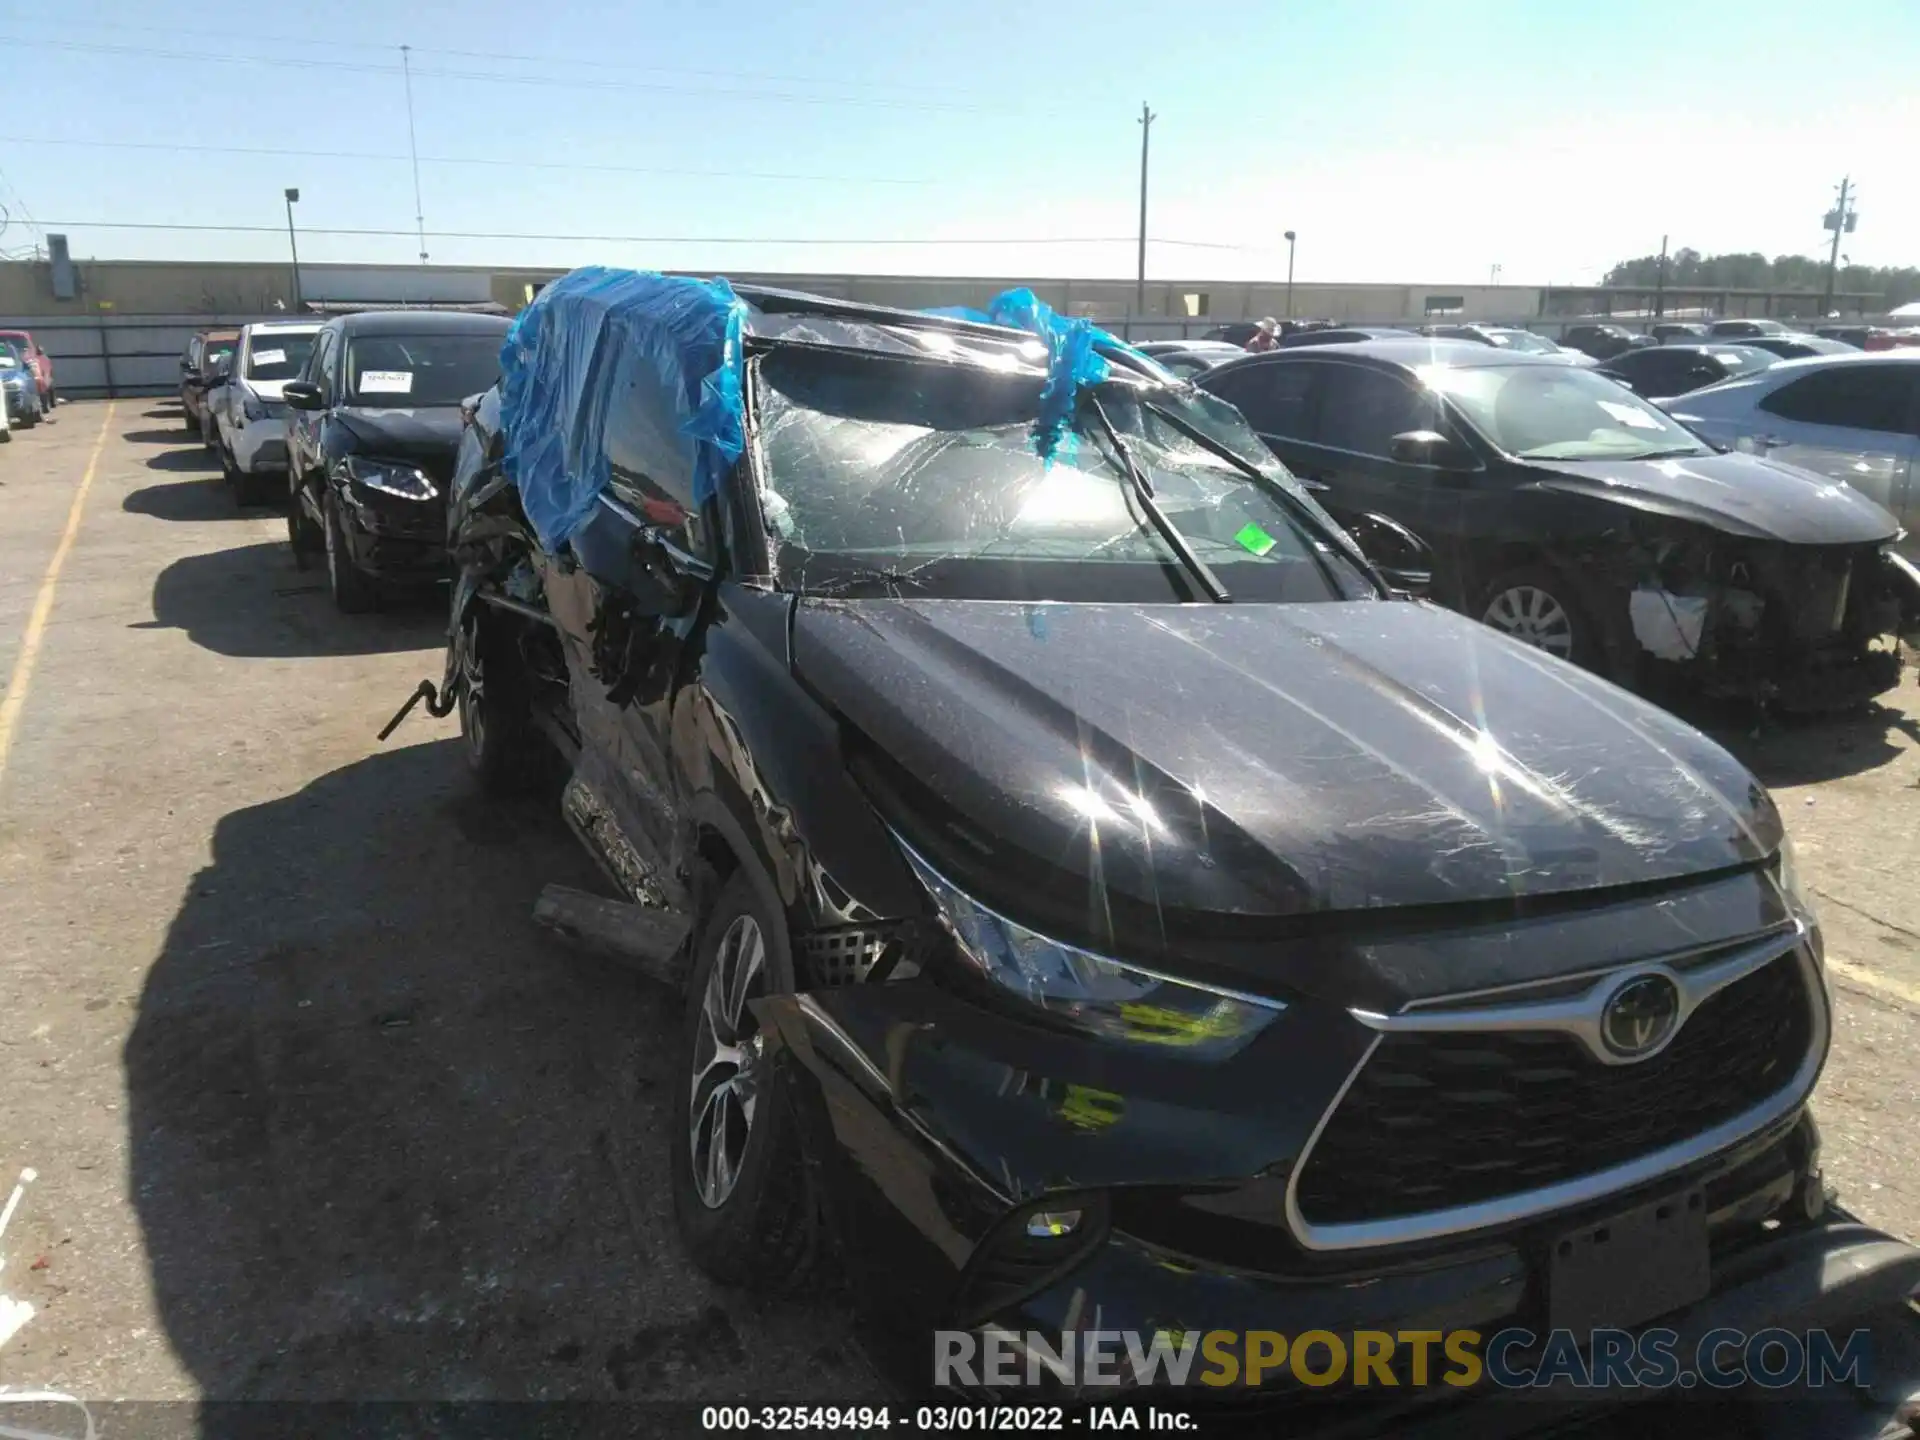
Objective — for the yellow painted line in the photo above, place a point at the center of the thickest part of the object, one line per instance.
(16, 697)
(1874, 980)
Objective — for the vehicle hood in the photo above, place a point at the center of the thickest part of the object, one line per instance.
(1275, 759)
(1736, 493)
(427, 433)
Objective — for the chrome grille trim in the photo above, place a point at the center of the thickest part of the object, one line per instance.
(1525, 1205)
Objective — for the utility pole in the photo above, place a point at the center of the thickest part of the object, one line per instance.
(1147, 117)
(1660, 282)
(1291, 237)
(413, 148)
(1840, 221)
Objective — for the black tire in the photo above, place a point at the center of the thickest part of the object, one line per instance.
(302, 534)
(1540, 606)
(766, 1233)
(353, 589)
(505, 750)
(53, 399)
(189, 422)
(31, 417)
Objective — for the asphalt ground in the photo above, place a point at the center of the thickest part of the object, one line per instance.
(316, 1112)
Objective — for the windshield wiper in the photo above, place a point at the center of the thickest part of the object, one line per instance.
(1298, 512)
(1143, 492)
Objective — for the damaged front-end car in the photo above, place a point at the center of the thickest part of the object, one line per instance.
(1102, 903)
(1799, 628)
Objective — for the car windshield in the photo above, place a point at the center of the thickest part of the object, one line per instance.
(408, 371)
(1743, 359)
(1524, 342)
(9, 357)
(215, 352)
(277, 355)
(886, 475)
(1557, 412)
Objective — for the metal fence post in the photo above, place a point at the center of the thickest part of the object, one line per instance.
(106, 359)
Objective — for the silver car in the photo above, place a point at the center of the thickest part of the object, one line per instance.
(1854, 418)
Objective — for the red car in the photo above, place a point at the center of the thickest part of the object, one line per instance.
(38, 361)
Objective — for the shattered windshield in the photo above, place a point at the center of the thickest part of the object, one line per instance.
(888, 473)
(1554, 412)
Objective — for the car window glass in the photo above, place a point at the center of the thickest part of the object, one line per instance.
(1857, 397)
(650, 462)
(1362, 409)
(1272, 397)
(277, 355)
(325, 369)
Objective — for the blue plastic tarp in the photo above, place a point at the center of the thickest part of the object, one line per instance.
(660, 356)
(1074, 361)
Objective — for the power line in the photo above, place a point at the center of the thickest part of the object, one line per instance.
(644, 239)
(915, 86)
(494, 77)
(468, 160)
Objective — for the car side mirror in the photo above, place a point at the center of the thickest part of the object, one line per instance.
(1404, 560)
(1429, 448)
(302, 395)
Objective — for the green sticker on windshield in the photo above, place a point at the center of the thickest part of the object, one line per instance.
(1252, 537)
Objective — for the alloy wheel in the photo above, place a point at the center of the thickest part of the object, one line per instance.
(1532, 616)
(726, 1056)
(473, 691)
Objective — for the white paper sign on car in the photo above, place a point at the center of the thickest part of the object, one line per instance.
(1627, 415)
(386, 382)
(269, 357)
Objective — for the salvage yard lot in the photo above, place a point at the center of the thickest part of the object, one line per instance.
(316, 1112)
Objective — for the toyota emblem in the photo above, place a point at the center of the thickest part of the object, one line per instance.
(1640, 1016)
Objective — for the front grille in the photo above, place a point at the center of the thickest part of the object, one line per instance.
(1443, 1119)
(843, 957)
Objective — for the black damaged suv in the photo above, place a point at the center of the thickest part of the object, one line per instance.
(372, 426)
(1108, 904)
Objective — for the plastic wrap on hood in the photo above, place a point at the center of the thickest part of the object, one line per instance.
(1074, 360)
(599, 332)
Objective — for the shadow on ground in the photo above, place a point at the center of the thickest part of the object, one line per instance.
(208, 499)
(388, 1143)
(172, 435)
(250, 600)
(1784, 752)
(192, 456)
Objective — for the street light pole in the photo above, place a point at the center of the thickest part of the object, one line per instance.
(1147, 117)
(1290, 240)
(293, 194)
(1660, 282)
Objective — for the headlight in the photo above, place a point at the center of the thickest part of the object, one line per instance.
(390, 477)
(1105, 997)
(252, 406)
(1786, 871)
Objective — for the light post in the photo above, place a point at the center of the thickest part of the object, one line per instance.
(293, 194)
(1290, 240)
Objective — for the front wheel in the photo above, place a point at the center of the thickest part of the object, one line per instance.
(504, 747)
(745, 1201)
(302, 534)
(353, 592)
(1541, 608)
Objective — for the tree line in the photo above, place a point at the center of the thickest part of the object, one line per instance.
(1689, 270)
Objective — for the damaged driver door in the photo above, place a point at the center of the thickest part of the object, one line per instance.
(629, 601)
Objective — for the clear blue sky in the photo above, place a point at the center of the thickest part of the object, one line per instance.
(1402, 140)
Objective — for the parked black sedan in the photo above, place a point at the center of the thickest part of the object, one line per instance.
(1798, 347)
(1659, 371)
(372, 426)
(1573, 515)
(1603, 342)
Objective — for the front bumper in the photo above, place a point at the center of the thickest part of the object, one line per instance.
(260, 446)
(394, 539)
(941, 1127)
